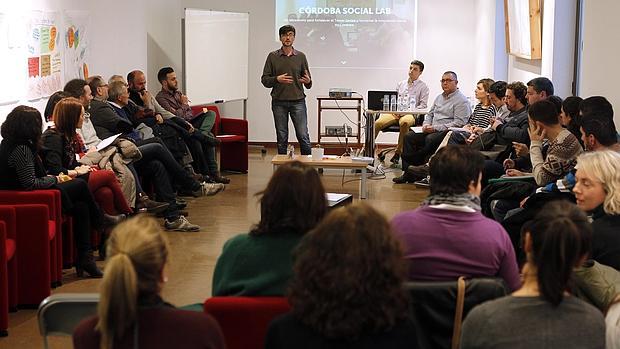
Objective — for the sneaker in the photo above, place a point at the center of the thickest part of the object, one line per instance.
(406, 177)
(145, 204)
(181, 204)
(424, 183)
(180, 224)
(210, 189)
(418, 172)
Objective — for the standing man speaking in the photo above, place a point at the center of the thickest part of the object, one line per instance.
(286, 72)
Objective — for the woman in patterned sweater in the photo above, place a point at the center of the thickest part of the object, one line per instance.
(21, 168)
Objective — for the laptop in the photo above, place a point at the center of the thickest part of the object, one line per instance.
(375, 98)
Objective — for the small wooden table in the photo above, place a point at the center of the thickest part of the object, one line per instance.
(344, 162)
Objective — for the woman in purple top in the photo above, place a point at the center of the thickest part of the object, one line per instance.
(447, 236)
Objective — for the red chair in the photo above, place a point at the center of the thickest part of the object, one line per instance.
(4, 287)
(8, 262)
(50, 198)
(32, 252)
(244, 320)
(234, 136)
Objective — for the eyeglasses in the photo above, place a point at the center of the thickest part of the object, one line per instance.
(446, 80)
(288, 35)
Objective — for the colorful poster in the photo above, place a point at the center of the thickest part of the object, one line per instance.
(76, 44)
(42, 49)
(33, 67)
(46, 65)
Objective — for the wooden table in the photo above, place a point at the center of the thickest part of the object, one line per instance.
(344, 162)
(357, 106)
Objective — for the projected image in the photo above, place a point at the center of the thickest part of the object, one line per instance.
(351, 33)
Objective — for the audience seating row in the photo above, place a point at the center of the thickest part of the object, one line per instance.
(31, 248)
(436, 307)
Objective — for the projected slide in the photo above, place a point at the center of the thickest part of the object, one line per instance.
(351, 33)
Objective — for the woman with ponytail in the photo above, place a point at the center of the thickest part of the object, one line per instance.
(131, 312)
(542, 314)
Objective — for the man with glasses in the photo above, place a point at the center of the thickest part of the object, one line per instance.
(102, 114)
(450, 109)
(286, 72)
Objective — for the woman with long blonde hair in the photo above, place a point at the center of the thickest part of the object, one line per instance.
(131, 312)
(597, 190)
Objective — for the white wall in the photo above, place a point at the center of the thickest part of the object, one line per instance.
(452, 35)
(558, 42)
(117, 35)
(464, 36)
(600, 50)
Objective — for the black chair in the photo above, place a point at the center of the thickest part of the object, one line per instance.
(438, 312)
(419, 119)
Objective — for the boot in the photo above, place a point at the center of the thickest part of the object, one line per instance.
(111, 220)
(86, 263)
(144, 204)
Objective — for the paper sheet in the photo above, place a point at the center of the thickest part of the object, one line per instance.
(104, 143)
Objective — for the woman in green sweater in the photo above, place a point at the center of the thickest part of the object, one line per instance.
(260, 263)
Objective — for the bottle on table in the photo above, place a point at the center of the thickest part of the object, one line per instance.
(386, 102)
(290, 151)
(393, 104)
(404, 101)
(412, 103)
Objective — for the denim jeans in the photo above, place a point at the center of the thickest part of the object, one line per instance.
(297, 111)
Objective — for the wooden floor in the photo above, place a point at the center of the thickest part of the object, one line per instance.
(231, 212)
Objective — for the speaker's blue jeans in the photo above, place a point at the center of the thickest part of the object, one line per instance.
(297, 111)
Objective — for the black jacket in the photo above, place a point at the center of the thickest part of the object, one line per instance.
(606, 238)
(515, 130)
(106, 121)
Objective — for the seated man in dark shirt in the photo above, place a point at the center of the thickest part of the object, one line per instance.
(200, 146)
(171, 99)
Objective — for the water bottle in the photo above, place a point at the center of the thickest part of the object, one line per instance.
(412, 103)
(290, 151)
(404, 103)
(386, 102)
(393, 105)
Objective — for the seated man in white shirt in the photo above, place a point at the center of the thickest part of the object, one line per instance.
(412, 87)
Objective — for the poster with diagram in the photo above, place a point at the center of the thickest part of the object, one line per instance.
(44, 55)
(76, 44)
(44, 59)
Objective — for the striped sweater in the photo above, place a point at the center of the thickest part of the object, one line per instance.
(561, 158)
(481, 115)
